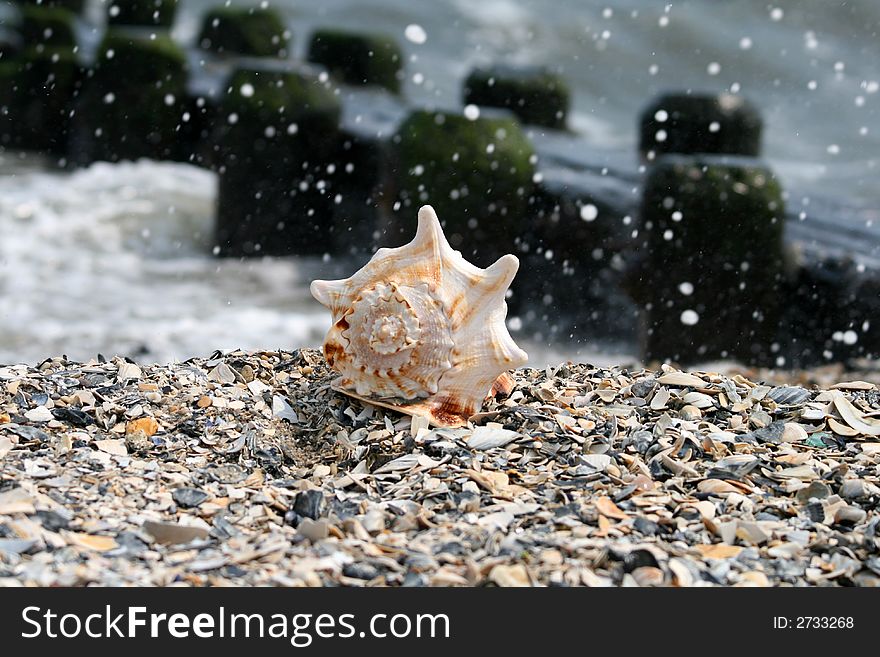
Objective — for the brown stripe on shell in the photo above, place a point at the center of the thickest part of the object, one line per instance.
(455, 318)
(451, 411)
(333, 351)
(475, 304)
(503, 385)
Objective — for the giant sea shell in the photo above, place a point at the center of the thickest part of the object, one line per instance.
(421, 330)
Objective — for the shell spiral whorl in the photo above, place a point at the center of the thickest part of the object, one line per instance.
(419, 329)
(400, 334)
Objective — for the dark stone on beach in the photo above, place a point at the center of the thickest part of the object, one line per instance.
(536, 95)
(292, 518)
(309, 504)
(53, 520)
(815, 511)
(131, 103)
(713, 268)
(187, 498)
(644, 387)
(722, 124)
(39, 89)
(415, 580)
(363, 571)
(638, 558)
(645, 526)
(478, 176)
(72, 416)
(244, 31)
(158, 13)
(28, 433)
(277, 138)
(358, 59)
(130, 544)
(789, 395)
(772, 433)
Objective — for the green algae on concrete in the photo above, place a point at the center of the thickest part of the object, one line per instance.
(713, 261)
(11, 44)
(158, 13)
(196, 144)
(831, 310)
(48, 28)
(478, 175)
(75, 6)
(723, 124)
(37, 90)
(244, 31)
(536, 95)
(573, 250)
(358, 59)
(133, 100)
(278, 136)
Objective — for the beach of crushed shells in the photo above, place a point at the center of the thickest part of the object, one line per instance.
(247, 469)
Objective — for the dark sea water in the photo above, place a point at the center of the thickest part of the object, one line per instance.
(116, 258)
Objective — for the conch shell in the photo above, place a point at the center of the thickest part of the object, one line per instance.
(421, 330)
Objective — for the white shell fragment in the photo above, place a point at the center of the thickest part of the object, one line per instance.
(681, 379)
(484, 438)
(421, 330)
(853, 417)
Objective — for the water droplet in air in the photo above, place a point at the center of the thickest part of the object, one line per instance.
(415, 33)
(689, 317)
(589, 212)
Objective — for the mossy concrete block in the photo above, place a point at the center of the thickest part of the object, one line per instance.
(245, 31)
(158, 13)
(722, 124)
(196, 131)
(832, 312)
(37, 93)
(11, 44)
(478, 175)
(536, 95)
(48, 28)
(361, 165)
(572, 251)
(713, 271)
(278, 138)
(358, 59)
(865, 320)
(133, 100)
(73, 5)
